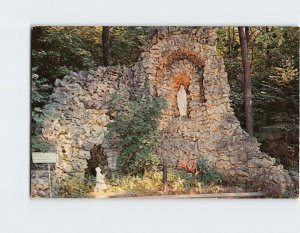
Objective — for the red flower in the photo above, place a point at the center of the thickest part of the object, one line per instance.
(182, 164)
(191, 167)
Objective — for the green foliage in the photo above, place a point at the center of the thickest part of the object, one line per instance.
(290, 194)
(148, 184)
(207, 175)
(210, 176)
(57, 51)
(60, 50)
(38, 144)
(285, 74)
(151, 184)
(273, 53)
(76, 187)
(194, 171)
(39, 96)
(150, 181)
(135, 131)
(189, 180)
(125, 43)
(201, 164)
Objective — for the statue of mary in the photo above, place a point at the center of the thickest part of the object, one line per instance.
(182, 101)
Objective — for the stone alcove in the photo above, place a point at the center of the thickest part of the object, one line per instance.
(98, 158)
(180, 82)
(77, 115)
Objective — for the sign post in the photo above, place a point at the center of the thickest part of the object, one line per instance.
(165, 177)
(45, 158)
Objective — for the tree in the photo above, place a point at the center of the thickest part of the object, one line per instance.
(247, 31)
(105, 45)
(59, 50)
(229, 43)
(247, 80)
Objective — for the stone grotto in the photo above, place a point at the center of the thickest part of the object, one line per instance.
(182, 66)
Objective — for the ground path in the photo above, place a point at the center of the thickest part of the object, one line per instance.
(188, 196)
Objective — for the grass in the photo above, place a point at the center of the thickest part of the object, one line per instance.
(151, 184)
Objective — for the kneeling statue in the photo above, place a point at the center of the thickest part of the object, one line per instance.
(100, 183)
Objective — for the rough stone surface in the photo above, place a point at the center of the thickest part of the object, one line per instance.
(76, 117)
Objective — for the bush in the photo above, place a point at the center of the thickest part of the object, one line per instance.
(210, 176)
(290, 194)
(197, 170)
(207, 175)
(76, 187)
(189, 180)
(135, 132)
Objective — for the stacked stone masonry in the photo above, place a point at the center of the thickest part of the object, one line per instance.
(76, 117)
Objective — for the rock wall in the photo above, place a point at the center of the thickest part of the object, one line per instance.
(187, 56)
(76, 116)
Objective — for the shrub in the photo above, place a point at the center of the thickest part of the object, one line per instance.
(134, 131)
(210, 176)
(190, 180)
(290, 193)
(76, 187)
(197, 170)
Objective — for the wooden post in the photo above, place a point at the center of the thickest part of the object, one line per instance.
(165, 177)
(49, 170)
(45, 158)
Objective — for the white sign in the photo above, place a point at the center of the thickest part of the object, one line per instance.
(41, 157)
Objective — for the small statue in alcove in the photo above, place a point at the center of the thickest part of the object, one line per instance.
(100, 183)
(182, 101)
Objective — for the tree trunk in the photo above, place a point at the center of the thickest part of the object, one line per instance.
(229, 43)
(247, 35)
(105, 45)
(268, 49)
(247, 81)
(252, 50)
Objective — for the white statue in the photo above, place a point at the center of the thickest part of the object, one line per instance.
(182, 101)
(100, 183)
